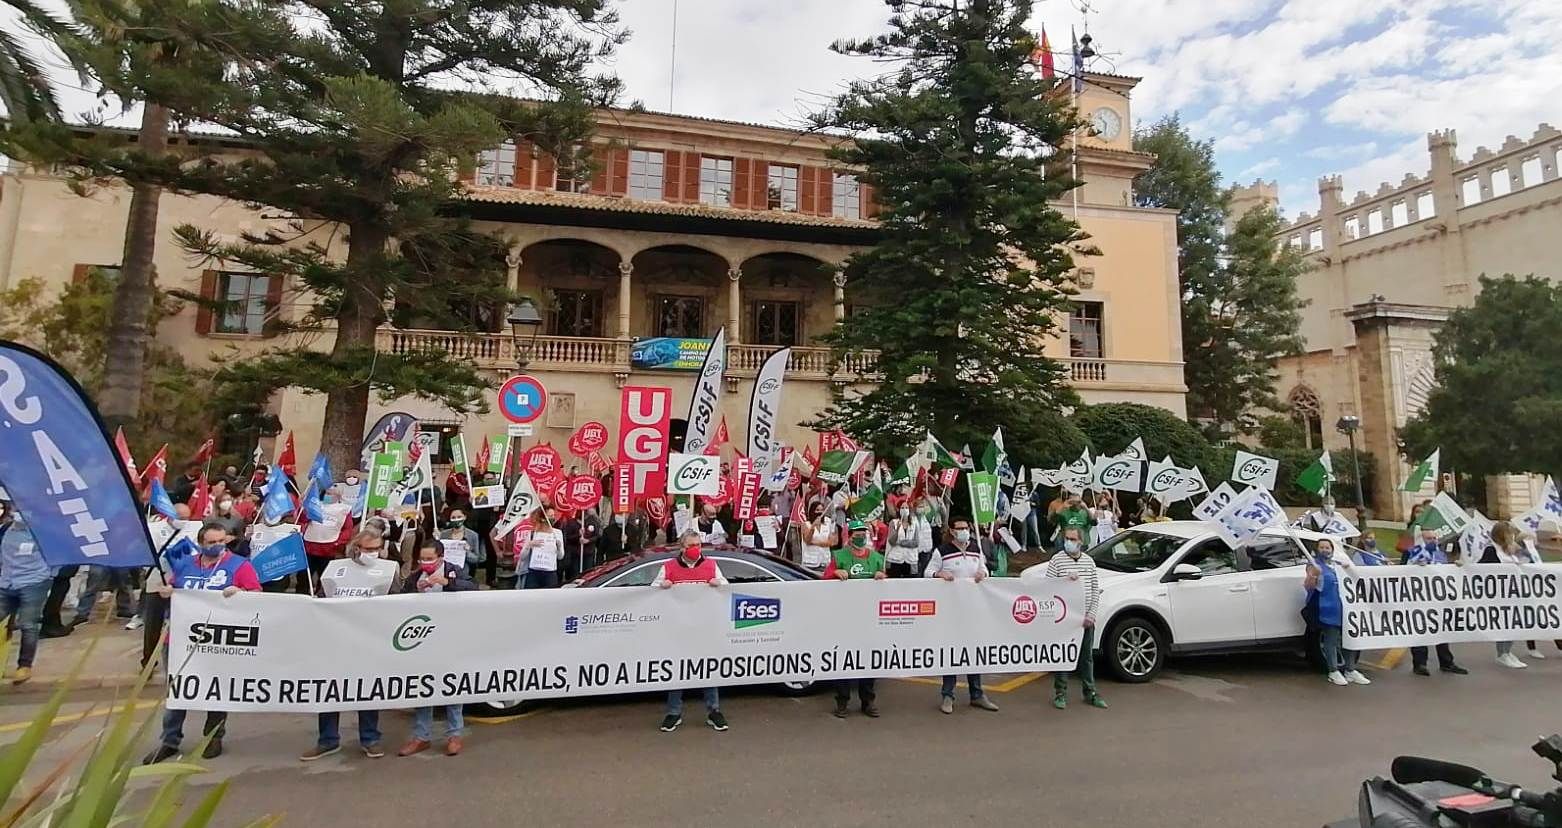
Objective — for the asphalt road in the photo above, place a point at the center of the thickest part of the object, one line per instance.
(1215, 742)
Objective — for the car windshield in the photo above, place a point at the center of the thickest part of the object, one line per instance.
(1135, 551)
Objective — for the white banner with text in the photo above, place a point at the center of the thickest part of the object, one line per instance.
(1412, 606)
(289, 653)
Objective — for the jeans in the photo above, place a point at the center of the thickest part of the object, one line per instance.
(1505, 648)
(540, 579)
(1335, 656)
(26, 604)
(173, 726)
(865, 691)
(1445, 656)
(901, 570)
(106, 579)
(675, 701)
(56, 600)
(368, 728)
(423, 722)
(973, 682)
(1086, 668)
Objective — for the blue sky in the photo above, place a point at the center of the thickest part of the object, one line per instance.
(1288, 89)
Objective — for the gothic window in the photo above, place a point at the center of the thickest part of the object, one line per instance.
(1308, 413)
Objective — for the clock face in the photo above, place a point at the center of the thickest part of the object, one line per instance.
(1106, 123)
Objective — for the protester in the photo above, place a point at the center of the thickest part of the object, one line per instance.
(1506, 548)
(1367, 553)
(182, 488)
(369, 545)
(710, 527)
(541, 550)
(1427, 552)
(910, 536)
(690, 566)
(960, 557)
(1074, 565)
(1325, 606)
(215, 568)
(457, 528)
(1074, 515)
(227, 516)
(1150, 510)
(818, 538)
(1106, 516)
(1319, 519)
(636, 531)
(433, 573)
(1033, 520)
(113, 579)
(24, 585)
(325, 540)
(857, 560)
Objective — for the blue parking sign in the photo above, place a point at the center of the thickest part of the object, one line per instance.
(522, 399)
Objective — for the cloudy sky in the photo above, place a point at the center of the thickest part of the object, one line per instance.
(1288, 89)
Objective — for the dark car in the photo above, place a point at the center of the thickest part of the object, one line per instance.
(739, 565)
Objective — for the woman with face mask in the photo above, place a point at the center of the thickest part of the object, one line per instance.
(1072, 563)
(1324, 602)
(1506, 547)
(537, 560)
(456, 529)
(960, 556)
(818, 536)
(432, 573)
(1106, 516)
(326, 540)
(910, 537)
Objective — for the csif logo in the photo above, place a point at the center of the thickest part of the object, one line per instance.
(695, 472)
(1253, 469)
(753, 611)
(769, 385)
(1117, 472)
(1165, 480)
(412, 633)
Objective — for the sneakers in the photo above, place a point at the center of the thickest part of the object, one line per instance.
(318, 752)
(51, 631)
(135, 623)
(22, 675)
(1335, 677)
(453, 746)
(213, 748)
(1536, 655)
(1096, 701)
(670, 723)
(162, 754)
(841, 710)
(716, 721)
(1512, 661)
(373, 750)
(984, 703)
(1059, 701)
(413, 746)
(870, 710)
(1355, 677)
(1456, 670)
(946, 706)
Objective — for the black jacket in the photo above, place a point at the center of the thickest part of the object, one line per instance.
(459, 582)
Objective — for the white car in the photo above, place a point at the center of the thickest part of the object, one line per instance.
(1176, 588)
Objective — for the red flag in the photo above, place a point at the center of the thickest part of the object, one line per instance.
(1042, 57)
(200, 499)
(599, 464)
(124, 454)
(156, 468)
(287, 459)
(811, 460)
(797, 518)
(721, 438)
(480, 465)
(844, 443)
(206, 452)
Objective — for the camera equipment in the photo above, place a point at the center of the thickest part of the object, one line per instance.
(1431, 792)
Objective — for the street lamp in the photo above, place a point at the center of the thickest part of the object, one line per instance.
(1349, 425)
(525, 324)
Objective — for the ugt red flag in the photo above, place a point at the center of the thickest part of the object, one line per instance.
(714, 447)
(288, 460)
(123, 448)
(206, 452)
(200, 499)
(156, 468)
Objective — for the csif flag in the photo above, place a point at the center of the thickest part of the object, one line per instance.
(1317, 477)
(1424, 471)
(705, 404)
(764, 413)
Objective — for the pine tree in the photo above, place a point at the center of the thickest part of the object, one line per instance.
(1255, 321)
(970, 272)
(349, 125)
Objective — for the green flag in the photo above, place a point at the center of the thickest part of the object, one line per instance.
(836, 467)
(399, 451)
(458, 456)
(498, 453)
(901, 476)
(1317, 477)
(384, 469)
(994, 455)
(1444, 513)
(984, 495)
(868, 504)
(1427, 469)
(934, 453)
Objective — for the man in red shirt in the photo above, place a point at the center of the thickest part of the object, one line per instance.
(690, 566)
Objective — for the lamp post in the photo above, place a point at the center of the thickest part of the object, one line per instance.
(525, 323)
(1349, 425)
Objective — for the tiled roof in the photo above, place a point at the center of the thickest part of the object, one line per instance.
(583, 201)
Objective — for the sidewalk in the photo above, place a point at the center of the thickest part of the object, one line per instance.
(114, 662)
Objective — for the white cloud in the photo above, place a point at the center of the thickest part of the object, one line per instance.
(1256, 170)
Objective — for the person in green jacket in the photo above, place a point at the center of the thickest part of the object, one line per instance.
(1073, 516)
(857, 560)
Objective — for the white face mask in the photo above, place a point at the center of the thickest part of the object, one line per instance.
(368, 554)
(905, 513)
(352, 481)
(225, 505)
(1072, 547)
(963, 535)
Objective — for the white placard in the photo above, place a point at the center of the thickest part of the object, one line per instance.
(766, 525)
(1255, 470)
(487, 497)
(693, 474)
(1413, 606)
(1216, 500)
(347, 578)
(413, 650)
(262, 536)
(455, 551)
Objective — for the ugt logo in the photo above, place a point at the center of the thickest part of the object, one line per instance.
(754, 611)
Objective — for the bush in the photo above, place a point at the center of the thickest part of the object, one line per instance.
(1112, 426)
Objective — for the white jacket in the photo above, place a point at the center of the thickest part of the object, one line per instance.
(918, 531)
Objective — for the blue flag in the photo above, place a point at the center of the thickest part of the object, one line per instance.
(161, 501)
(280, 559)
(180, 549)
(311, 504)
(320, 473)
(277, 503)
(61, 469)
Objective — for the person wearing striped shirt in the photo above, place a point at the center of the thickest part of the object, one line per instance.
(960, 556)
(1073, 564)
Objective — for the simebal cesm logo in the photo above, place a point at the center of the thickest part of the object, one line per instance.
(412, 633)
(754, 611)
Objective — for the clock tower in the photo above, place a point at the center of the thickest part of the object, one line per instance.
(1107, 160)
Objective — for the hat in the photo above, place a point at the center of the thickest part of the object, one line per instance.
(857, 525)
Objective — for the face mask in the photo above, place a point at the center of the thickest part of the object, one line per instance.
(368, 553)
(225, 505)
(457, 523)
(963, 535)
(691, 552)
(214, 550)
(905, 513)
(352, 481)
(1431, 545)
(1072, 548)
(428, 567)
(859, 541)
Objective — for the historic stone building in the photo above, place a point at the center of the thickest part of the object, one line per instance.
(1388, 268)
(684, 225)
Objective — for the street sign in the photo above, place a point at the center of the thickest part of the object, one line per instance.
(522, 399)
(519, 430)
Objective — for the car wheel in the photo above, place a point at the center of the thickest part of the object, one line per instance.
(1135, 650)
(796, 688)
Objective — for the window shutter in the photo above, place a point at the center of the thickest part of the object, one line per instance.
(525, 156)
(824, 186)
(203, 311)
(691, 177)
(545, 170)
(672, 176)
(742, 191)
(870, 202)
(806, 201)
(759, 192)
(602, 171)
(79, 273)
(618, 173)
(273, 319)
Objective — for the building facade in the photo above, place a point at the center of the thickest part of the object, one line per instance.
(1389, 267)
(683, 225)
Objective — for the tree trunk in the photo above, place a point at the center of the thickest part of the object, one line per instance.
(130, 329)
(347, 408)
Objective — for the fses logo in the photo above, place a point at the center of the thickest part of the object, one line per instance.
(753, 611)
(907, 609)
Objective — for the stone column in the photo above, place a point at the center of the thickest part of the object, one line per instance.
(625, 269)
(840, 294)
(1458, 287)
(734, 304)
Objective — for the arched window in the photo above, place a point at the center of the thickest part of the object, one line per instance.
(1308, 413)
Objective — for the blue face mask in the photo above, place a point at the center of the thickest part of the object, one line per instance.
(1430, 546)
(214, 551)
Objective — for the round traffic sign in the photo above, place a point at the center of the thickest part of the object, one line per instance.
(522, 399)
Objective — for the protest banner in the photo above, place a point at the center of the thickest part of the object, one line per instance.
(644, 416)
(748, 495)
(705, 403)
(764, 410)
(693, 474)
(1415, 606)
(623, 496)
(1254, 470)
(418, 650)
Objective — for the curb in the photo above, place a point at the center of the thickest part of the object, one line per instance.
(49, 685)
